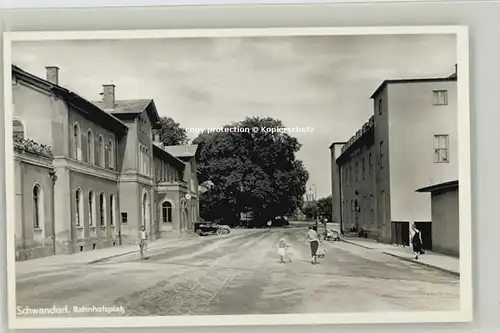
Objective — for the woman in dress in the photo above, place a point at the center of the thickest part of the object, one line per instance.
(313, 239)
(416, 240)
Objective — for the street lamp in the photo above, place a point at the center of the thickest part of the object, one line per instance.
(316, 203)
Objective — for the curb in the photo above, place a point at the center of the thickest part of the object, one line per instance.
(96, 261)
(423, 264)
(356, 244)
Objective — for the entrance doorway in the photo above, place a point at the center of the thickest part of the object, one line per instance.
(400, 233)
(426, 232)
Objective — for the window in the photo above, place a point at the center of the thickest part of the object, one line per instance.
(102, 209)
(101, 152)
(37, 206)
(380, 106)
(90, 147)
(77, 144)
(441, 147)
(381, 155)
(111, 209)
(166, 212)
(91, 208)
(111, 154)
(440, 97)
(17, 129)
(364, 168)
(78, 208)
(124, 218)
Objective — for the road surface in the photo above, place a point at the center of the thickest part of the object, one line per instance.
(240, 273)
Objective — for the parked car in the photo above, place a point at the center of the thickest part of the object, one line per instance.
(206, 228)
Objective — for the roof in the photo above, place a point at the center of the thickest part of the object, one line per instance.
(131, 108)
(452, 77)
(81, 104)
(337, 144)
(439, 187)
(182, 151)
(166, 156)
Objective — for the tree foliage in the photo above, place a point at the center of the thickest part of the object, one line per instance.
(251, 171)
(171, 132)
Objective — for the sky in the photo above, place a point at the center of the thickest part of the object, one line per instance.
(321, 82)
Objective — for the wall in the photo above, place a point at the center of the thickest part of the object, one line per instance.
(355, 180)
(383, 167)
(30, 242)
(87, 237)
(413, 122)
(445, 222)
(34, 108)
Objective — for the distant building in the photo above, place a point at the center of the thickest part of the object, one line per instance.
(88, 174)
(445, 217)
(409, 142)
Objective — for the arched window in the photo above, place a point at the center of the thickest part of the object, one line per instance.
(145, 209)
(166, 212)
(102, 209)
(77, 143)
(90, 147)
(91, 209)
(112, 209)
(79, 207)
(111, 154)
(17, 129)
(100, 151)
(37, 207)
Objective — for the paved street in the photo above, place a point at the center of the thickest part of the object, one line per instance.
(240, 274)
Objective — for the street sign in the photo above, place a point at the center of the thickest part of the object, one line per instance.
(188, 196)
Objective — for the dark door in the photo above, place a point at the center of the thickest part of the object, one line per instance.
(400, 233)
(426, 231)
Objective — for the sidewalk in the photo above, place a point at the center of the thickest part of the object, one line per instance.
(433, 260)
(90, 257)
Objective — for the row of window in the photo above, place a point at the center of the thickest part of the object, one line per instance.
(103, 156)
(166, 173)
(91, 213)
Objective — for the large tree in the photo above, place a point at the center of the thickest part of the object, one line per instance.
(251, 171)
(171, 132)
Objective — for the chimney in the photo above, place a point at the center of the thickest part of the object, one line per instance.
(52, 74)
(108, 96)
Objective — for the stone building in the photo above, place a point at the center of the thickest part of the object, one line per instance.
(102, 168)
(409, 142)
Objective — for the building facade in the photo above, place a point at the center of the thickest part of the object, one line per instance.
(101, 163)
(409, 142)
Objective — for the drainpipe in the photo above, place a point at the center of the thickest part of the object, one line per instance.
(53, 177)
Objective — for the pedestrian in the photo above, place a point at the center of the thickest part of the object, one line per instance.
(282, 251)
(416, 241)
(313, 240)
(269, 224)
(143, 242)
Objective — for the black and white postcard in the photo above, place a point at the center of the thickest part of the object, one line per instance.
(238, 177)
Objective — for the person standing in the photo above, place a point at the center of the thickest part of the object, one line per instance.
(313, 239)
(416, 240)
(143, 242)
(269, 224)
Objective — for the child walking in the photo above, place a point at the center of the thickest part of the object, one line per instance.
(282, 252)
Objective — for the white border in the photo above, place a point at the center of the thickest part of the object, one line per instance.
(466, 309)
